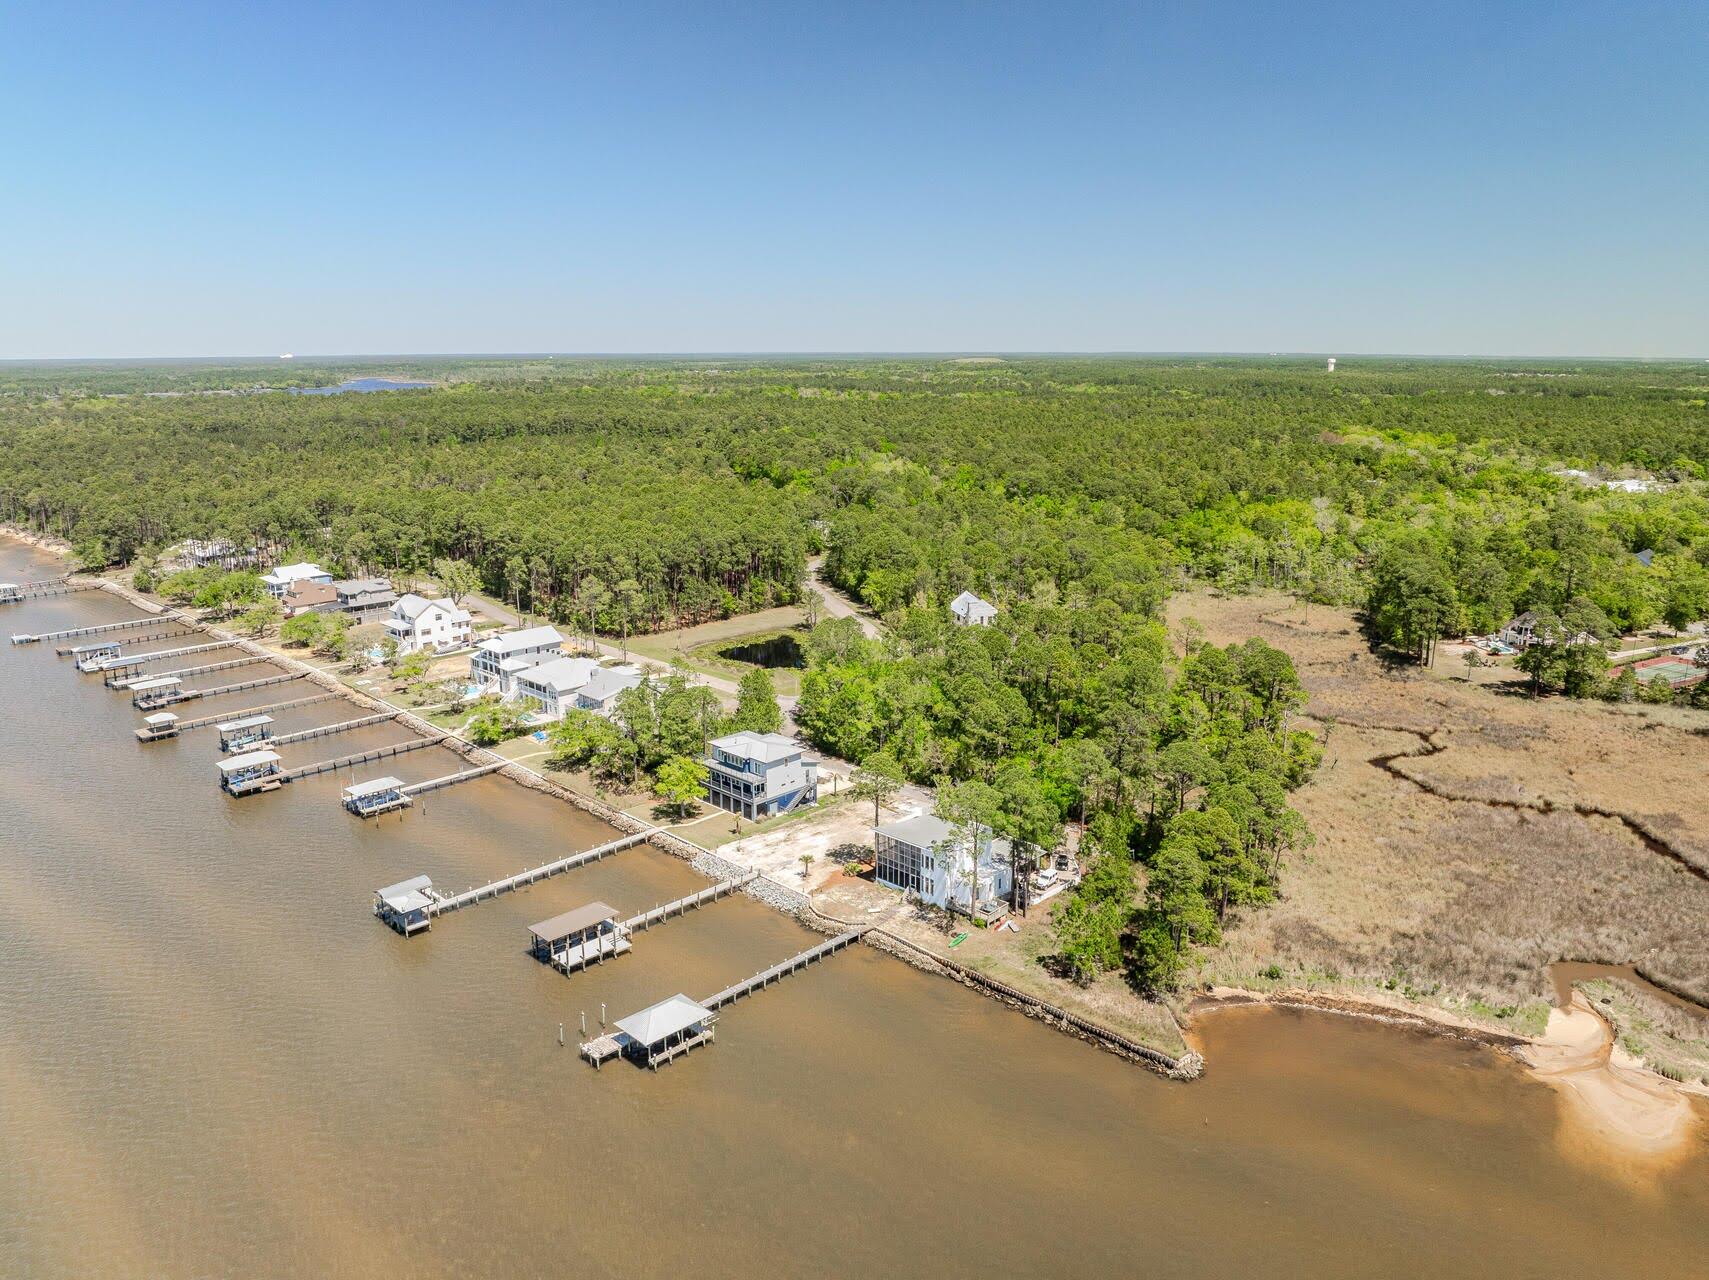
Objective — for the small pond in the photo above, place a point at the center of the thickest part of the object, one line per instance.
(782, 650)
(361, 384)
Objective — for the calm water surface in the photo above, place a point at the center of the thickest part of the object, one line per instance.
(361, 384)
(214, 1062)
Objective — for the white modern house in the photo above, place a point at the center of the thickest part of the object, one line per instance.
(498, 660)
(925, 855)
(416, 623)
(759, 775)
(551, 686)
(278, 581)
(599, 694)
(969, 610)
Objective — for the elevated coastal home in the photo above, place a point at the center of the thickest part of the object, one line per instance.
(278, 581)
(759, 775)
(926, 856)
(365, 599)
(969, 610)
(498, 660)
(549, 689)
(437, 625)
(599, 694)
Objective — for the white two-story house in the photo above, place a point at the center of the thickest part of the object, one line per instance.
(549, 688)
(969, 610)
(498, 660)
(759, 775)
(280, 580)
(437, 625)
(925, 855)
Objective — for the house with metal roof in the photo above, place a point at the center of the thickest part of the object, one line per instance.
(498, 659)
(969, 610)
(599, 694)
(926, 856)
(760, 775)
(407, 905)
(418, 623)
(278, 581)
(365, 599)
(550, 688)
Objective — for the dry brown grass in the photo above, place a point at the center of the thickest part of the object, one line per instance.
(1463, 901)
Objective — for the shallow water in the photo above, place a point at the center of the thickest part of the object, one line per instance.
(214, 1061)
(361, 385)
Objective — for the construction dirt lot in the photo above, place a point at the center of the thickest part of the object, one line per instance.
(1469, 836)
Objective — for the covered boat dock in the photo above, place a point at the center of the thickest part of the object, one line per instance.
(657, 1034)
(376, 796)
(241, 734)
(161, 691)
(162, 724)
(578, 938)
(407, 906)
(254, 771)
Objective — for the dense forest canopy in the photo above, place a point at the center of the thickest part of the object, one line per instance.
(1076, 494)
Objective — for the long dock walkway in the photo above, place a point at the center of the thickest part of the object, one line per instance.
(43, 588)
(117, 666)
(522, 879)
(327, 730)
(207, 668)
(360, 757)
(190, 695)
(153, 620)
(177, 632)
(659, 914)
(202, 722)
(603, 1048)
(451, 779)
(763, 979)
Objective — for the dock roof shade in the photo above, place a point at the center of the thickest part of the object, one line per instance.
(572, 922)
(407, 895)
(160, 717)
(373, 787)
(248, 722)
(662, 1020)
(249, 760)
(155, 682)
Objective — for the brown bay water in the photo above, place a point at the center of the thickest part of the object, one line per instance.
(213, 1061)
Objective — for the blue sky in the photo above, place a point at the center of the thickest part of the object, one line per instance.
(1431, 178)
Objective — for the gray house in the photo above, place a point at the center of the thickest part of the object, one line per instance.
(926, 856)
(759, 775)
(365, 599)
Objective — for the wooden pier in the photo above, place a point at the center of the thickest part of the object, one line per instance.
(452, 779)
(16, 592)
(152, 620)
(573, 954)
(117, 666)
(125, 682)
(72, 650)
(362, 757)
(522, 879)
(203, 722)
(763, 979)
(327, 730)
(190, 695)
(665, 1031)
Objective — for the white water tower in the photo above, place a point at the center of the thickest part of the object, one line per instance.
(1332, 364)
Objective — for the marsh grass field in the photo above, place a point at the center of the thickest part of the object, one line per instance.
(1458, 874)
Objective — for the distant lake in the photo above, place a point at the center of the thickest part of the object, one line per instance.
(360, 384)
